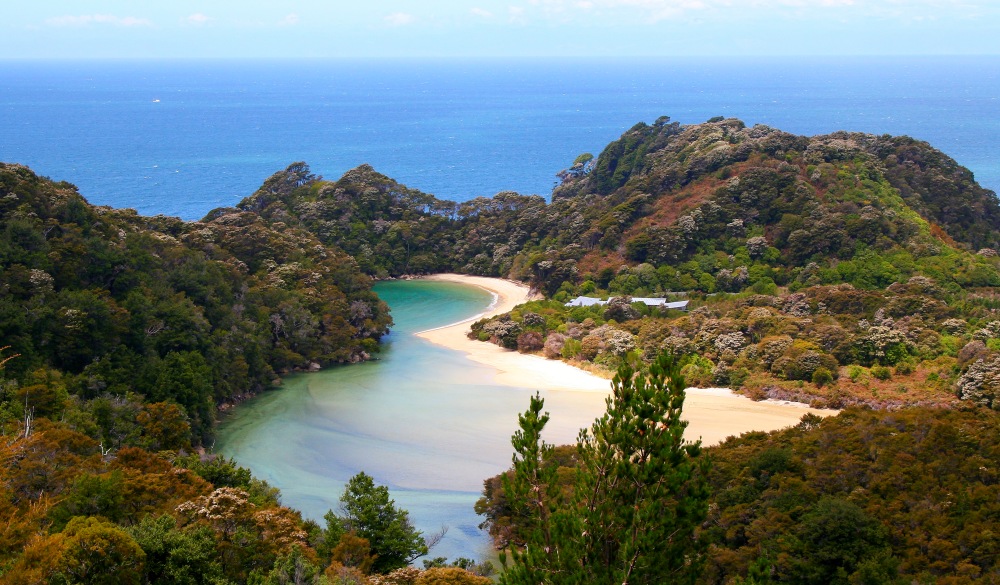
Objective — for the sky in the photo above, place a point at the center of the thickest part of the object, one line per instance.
(101, 29)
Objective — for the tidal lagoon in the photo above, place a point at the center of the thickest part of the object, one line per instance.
(422, 419)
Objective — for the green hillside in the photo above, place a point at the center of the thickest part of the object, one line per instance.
(108, 309)
(838, 269)
(845, 270)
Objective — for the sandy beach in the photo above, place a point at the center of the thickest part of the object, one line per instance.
(713, 413)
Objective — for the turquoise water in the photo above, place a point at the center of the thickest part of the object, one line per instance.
(423, 420)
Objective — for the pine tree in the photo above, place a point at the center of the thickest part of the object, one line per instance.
(537, 502)
(640, 491)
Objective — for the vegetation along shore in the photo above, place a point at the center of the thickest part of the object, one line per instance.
(846, 271)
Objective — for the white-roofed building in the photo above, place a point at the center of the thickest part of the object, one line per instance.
(648, 301)
(585, 302)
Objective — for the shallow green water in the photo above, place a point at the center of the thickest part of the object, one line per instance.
(423, 420)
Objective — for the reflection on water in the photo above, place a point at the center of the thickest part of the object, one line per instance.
(423, 420)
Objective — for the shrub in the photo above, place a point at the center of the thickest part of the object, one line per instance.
(450, 576)
(571, 348)
(737, 376)
(554, 345)
(698, 372)
(857, 373)
(954, 326)
(532, 319)
(529, 342)
(620, 309)
(981, 382)
(881, 372)
(885, 345)
(734, 342)
(971, 351)
(590, 346)
(504, 331)
(822, 376)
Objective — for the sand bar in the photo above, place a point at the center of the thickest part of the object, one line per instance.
(713, 413)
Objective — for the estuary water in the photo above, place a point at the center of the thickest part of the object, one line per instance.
(422, 419)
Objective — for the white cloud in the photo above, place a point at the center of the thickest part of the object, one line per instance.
(653, 11)
(197, 19)
(656, 10)
(289, 20)
(481, 13)
(399, 19)
(105, 19)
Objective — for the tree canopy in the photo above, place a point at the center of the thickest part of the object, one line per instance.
(638, 494)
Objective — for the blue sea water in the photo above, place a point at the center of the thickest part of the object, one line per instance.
(183, 137)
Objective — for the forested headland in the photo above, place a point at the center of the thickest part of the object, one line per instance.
(844, 270)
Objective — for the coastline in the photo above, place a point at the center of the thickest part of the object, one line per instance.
(713, 414)
(513, 368)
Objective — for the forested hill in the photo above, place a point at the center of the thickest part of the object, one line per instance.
(841, 269)
(392, 230)
(666, 156)
(109, 309)
(710, 200)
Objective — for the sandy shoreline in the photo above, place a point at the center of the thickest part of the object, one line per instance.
(713, 413)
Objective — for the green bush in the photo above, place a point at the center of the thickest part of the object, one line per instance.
(822, 376)
(571, 348)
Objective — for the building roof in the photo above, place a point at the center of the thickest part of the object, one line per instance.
(649, 301)
(585, 302)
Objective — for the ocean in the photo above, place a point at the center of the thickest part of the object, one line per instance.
(183, 137)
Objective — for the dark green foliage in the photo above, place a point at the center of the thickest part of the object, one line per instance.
(863, 497)
(196, 314)
(638, 495)
(822, 376)
(91, 495)
(217, 470)
(941, 190)
(369, 512)
(177, 556)
(624, 158)
(532, 498)
(831, 541)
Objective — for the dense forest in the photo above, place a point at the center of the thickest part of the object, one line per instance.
(868, 496)
(846, 270)
(108, 309)
(122, 336)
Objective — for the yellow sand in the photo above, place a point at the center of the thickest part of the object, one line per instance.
(712, 413)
